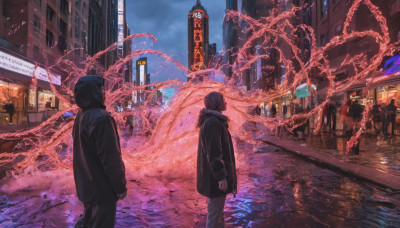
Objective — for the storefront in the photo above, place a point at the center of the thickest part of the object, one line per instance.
(17, 90)
(14, 94)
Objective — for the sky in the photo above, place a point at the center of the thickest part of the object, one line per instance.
(167, 21)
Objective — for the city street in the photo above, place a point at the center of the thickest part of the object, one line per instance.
(276, 189)
(157, 104)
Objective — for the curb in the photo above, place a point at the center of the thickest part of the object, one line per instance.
(368, 174)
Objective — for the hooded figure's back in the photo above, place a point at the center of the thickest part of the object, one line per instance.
(99, 171)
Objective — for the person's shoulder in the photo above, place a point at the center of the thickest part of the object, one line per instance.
(99, 114)
(211, 121)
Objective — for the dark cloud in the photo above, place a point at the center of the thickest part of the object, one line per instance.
(167, 21)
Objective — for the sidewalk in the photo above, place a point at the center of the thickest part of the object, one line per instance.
(378, 161)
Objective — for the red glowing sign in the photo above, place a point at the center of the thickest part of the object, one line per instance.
(198, 52)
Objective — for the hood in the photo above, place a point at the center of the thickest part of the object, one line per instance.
(88, 93)
(205, 113)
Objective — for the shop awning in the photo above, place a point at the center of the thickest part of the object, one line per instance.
(385, 80)
(302, 90)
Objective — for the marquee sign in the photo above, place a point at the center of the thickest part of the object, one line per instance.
(17, 65)
(198, 52)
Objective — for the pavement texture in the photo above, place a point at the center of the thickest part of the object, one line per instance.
(378, 161)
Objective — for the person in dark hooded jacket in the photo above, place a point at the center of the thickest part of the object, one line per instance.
(216, 170)
(99, 171)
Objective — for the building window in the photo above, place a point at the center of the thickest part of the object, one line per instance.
(50, 13)
(38, 3)
(324, 7)
(78, 4)
(77, 49)
(64, 7)
(63, 27)
(307, 15)
(324, 39)
(84, 43)
(49, 38)
(77, 25)
(83, 9)
(36, 23)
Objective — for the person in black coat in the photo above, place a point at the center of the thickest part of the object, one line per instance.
(99, 171)
(216, 169)
(391, 115)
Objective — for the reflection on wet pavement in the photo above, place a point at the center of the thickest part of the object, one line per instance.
(275, 190)
(375, 152)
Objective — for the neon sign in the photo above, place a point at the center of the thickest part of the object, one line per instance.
(141, 62)
(198, 52)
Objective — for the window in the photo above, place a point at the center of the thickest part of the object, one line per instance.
(307, 15)
(77, 4)
(324, 39)
(36, 23)
(77, 49)
(64, 7)
(5, 8)
(38, 3)
(77, 25)
(83, 9)
(63, 27)
(50, 13)
(84, 43)
(49, 38)
(324, 7)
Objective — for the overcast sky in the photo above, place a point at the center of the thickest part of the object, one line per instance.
(167, 21)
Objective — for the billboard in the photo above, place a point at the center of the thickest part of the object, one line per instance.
(121, 21)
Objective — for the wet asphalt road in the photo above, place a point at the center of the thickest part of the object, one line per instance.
(276, 189)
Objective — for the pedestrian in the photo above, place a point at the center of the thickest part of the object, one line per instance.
(376, 117)
(355, 111)
(273, 111)
(331, 116)
(99, 171)
(284, 111)
(325, 110)
(383, 117)
(391, 115)
(10, 109)
(129, 123)
(216, 169)
(257, 110)
(344, 113)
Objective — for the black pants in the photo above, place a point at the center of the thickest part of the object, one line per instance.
(98, 215)
(393, 122)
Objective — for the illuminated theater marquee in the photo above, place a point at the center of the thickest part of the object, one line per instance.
(198, 52)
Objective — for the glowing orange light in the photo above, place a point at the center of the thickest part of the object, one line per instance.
(198, 51)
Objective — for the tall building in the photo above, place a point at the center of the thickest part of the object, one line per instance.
(142, 78)
(36, 33)
(124, 49)
(230, 38)
(103, 29)
(198, 37)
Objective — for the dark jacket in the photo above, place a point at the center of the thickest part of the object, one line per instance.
(215, 156)
(99, 171)
(391, 112)
(355, 111)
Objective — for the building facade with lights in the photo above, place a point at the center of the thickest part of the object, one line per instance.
(200, 51)
(33, 35)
